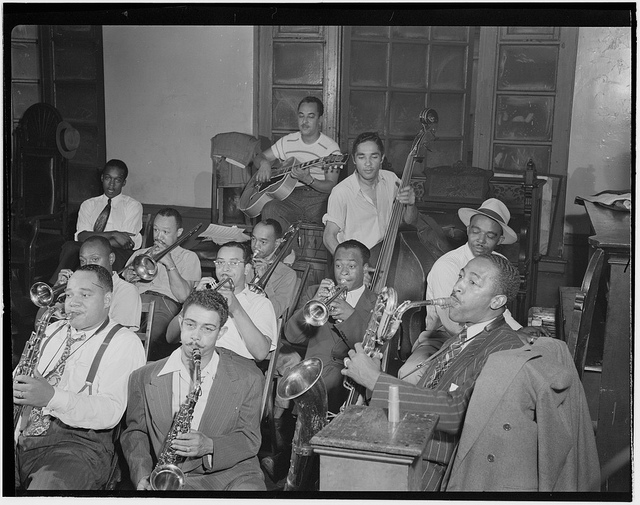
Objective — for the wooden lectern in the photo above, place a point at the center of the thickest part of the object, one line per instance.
(361, 451)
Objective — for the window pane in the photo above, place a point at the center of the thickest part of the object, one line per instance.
(285, 107)
(410, 32)
(25, 60)
(450, 33)
(369, 64)
(448, 67)
(524, 117)
(24, 32)
(370, 31)
(366, 111)
(24, 96)
(397, 152)
(509, 157)
(298, 63)
(74, 61)
(76, 101)
(443, 152)
(404, 113)
(450, 110)
(530, 30)
(299, 29)
(527, 67)
(409, 65)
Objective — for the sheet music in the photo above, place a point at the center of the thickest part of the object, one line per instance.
(223, 234)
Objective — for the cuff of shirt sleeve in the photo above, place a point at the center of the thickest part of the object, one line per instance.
(58, 401)
(207, 462)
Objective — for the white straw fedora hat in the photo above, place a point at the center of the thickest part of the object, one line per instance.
(67, 139)
(493, 209)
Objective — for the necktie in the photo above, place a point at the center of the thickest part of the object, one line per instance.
(444, 363)
(101, 222)
(38, 422)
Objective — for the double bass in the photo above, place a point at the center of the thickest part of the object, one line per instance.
(406, 256)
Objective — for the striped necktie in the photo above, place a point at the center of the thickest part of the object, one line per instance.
(101, 222)
(445, 361)
(38, 422)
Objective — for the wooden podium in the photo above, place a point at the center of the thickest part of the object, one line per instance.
(361, 451)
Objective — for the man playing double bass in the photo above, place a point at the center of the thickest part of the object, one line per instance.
(360, 206)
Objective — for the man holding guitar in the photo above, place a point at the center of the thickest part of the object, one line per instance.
(313, 183)
(360, 206)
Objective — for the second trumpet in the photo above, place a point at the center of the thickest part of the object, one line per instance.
(316, 312)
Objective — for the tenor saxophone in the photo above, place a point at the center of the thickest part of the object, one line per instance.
(166, 475)
(31, 355)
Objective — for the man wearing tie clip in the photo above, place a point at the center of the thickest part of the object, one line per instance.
(112, 215)
(479, 297)
(217, 449)
(64, 436)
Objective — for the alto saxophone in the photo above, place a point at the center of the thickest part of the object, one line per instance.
(31, 355)
(166, 475)
(385, 320)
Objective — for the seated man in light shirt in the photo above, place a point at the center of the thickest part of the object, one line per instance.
(251, 328)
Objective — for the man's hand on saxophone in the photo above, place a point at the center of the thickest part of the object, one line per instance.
(193, 444)
(34, 391)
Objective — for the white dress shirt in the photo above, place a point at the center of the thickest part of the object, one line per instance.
(125, 215)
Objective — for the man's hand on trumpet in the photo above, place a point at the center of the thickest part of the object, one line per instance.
(325, 290)
(340, 310)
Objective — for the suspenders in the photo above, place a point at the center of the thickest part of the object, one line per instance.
(96, 361)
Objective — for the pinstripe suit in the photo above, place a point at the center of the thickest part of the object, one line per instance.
(450, 405)
(231, 419)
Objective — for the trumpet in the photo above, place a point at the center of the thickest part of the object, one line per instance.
(216, 286)
(43, 295)
(316, 312)
(146, 265)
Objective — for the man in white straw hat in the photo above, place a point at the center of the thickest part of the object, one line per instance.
(487, 227)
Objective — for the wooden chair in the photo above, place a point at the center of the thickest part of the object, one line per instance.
(146, 323)
(581, 313)
(576, 311)
(38, 195)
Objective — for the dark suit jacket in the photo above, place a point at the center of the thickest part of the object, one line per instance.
(231, 418)
(529, 413)
(332, 341)
(449, 399)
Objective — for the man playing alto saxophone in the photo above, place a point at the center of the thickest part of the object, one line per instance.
(220, 450)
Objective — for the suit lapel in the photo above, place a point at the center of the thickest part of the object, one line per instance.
(159, 394)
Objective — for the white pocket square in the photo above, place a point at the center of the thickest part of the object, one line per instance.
(453, 387)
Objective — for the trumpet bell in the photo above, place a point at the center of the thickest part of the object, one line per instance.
(167, 478)
(43, 295)
(315, 313)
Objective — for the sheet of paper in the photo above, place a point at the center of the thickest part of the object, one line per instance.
(223, 234)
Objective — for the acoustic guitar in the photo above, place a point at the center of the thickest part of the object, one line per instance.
(256, 195)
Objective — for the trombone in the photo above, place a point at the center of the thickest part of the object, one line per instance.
(217, 285)
(146, 265)
(316, 312)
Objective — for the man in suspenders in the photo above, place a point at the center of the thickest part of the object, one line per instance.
(78, 392)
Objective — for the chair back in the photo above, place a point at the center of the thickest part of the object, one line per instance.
(583, 308)
(146, 323)
(147, 230)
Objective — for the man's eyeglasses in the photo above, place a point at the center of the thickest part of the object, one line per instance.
(231, 263)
